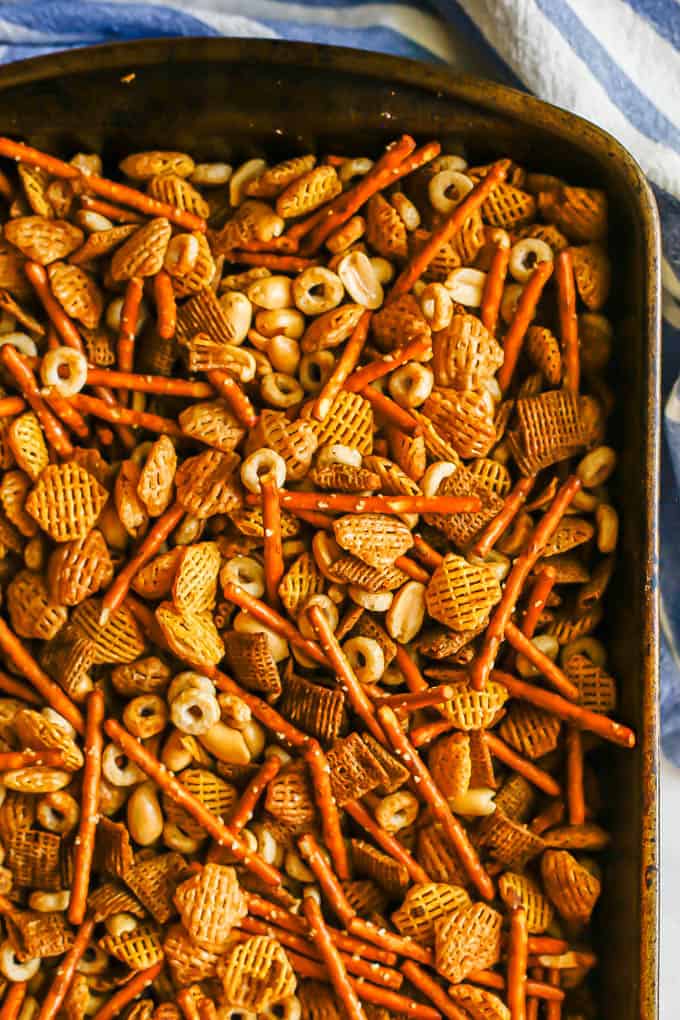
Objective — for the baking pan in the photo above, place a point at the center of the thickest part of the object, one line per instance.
(231, 99)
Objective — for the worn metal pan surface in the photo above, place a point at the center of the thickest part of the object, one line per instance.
(229, 99)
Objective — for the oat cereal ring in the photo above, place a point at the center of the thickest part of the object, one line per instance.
(65, 370)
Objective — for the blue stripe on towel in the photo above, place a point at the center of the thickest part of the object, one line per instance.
(99, 22)
(664, 15)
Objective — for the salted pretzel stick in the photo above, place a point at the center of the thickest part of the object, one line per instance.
(549, 669)
(390, 411)
(23, 759)
(330, 886)
(112, 212)
(118, 415)
(350, 503)
(14, 1000)
(521, 320)
(319, 773)
(125, 433)
(538, 596)
(578, 716)
(414, 679)
(129, 318)
(385, 840)
(414, 351)
(512, 505)
(284, 244)
(553, 1009)
(546, 944)
(430, 988)
(430, 793)
(538, 777)
(10, 685)
(215, 827)
(521, 568)
(135, 986)
(64, 975)
(429, 698)
(449, 228)
(425, 553)
(322, 522)
(152, 542)
(566, 308)
(274, 568)
(576, 805)
(37, 277)
(553, 815)
(351, 1003)
(347, 680)
(89, 808)
(11, 405)
(270, 618)
(490, 979)
(230, 391)
(493, 288)
(517, 963)
(533, 1004)
(425, 734)
(166, 306)
(149, 383)
(247, 803)
(51, 692)
(400, 944)
(344, 366)
(272, 260)
(68, 414)
(412, 569)
(55, 433)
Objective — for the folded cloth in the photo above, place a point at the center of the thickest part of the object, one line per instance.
(615, 62)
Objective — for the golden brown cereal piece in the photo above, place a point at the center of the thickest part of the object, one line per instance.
(317, 1001)
(376, 539)
(572, 888)
(409, 452)
(138, 948)
(77, 293)
(130, 509)
(154, 581)
(515, 888)
(389, 874)
(204, 354)
(249, 522)
(367, 626)
(396, 773)
(121, 640)
(301, 580)
(175, 191)
(462, 528)
(12, 276)
(42, 240)
(567, 627)
(510, 842)
(516, 798)
(493, 475)
(35, 731)
(256, 974)
(339, 477)
(350, 570)
(10, 538)
(68, 659)
(203, 313)
(441, 643)
(581, 213)
(460, 594)
(596, 688)
(153, 880)
(543, 349)
(206, 484)
(530, 730)
(450, 764)
(550, 428)
(385, 229)
(252, 221)
(156, 479)
(399, 323)
(77, 998)
(31, 611)
(113, 848)
(592, 274)
(35, 779)
(192, 637)
(423, 907)
(17, 813)
(35, 181)
(468, 939)
(479, 1003)
(156, 355)
(143, 252)
(213, 424)
(219, 797)
(110, 898)
(475, 710)
(319, 711)
(465, 355)
(34, 933)
(393, 480)
(275, 179)
(188, 962)
(295, 441)
(354, 769)
(250, 658)
(210, 904)
(508, 207)
(307, 192)
(365, 897)
(289, 797)
(349, 421)
(27, 443)
(101, 243)
(331, 329)
(194, 587)
(66, 501)
(143, 676)
(570, 533)
(141, 166)
(78, 569)
(464, 419)
(448, 257)
(201, 273)
(34, 858)
(588, 836)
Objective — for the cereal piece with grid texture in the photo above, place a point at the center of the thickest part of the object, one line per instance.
(174, 190)
(508, 841)
(76, 570)
(424, 905)
(516, 798)
(138, 948)
(210, 904)
(393, 480)
(31, 611)
(543, 350)
(385, 229)
(468, 939)
(439, 859)
(34, 858)
(153, 881)
(194, 587)
(460, 594)
(317, 1001)
(27, 443)
(354, 769)
(581, 213)
(295, 441)
(396, 773)
(530, 730)
(143, 252)
(479, 1003)
(596, 688)
(349, 422)
(573, 889)
(289, 797)
(77, 293)
(365, 897)
(206, 484)
(509, 207)
(212, 791)
(186, 281)
(399, 323)
(35, 731)
(276, 179)
(251, 660)
(350, 570)
(450, 764)
(465, 355)
(212, 423)
(109, 899)
(66, 501)
(154, 581)
(120, 640)
(550, 428)
(331, 329)
(113, 848)
(69, 662)
(307, 192)
(188, 962)
(464, 418)
(257, 974)
(337, 477)
(301, 580)
(42, 240)
(191, 636)
(156, 479)
(376, 539)
(390, 875)
(441, 643)
(203, 313)
(514, 888)
(319, 711)
(35, 933)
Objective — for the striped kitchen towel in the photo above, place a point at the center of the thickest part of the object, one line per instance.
(616, 62)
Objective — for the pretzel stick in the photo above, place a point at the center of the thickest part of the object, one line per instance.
(319, 772)
(129, 317)
(350, 503)
(425, 734)
(429, 698)
(576, 807)
(489, 979)
(154, 539)
(345, 364)
(14, 1000)
(347, 679)
(247, 803)
(118, 415)
(425, 553)
(274, 568)
(125, 434)
(412, 569)
(578, 716)
(230, 391)
(400, 944)
(512, 505)
(68, 414)
(483, 664)
(166, 306)
(135, 986)
(263, 712)
(538, 596)
(10, 406)
(493, 288)
(540, 779)
(24, 759)
(10, 685)
(415, 351)
(426, 984)
(390, 411)
(386, 840)
(551, 816)
(549, 669)
(414, 679)
(221, 833)
(330, 886)
(285, 245)
(89, 809)
(147, 620)
(112, 212)
(55, 433)
(547, 944)
(352, 1007)
(49, 691)
(271, 260)
(430, 793)
(521, 320)
(270, 618)
(61, 983)
(322, 522)
(448, 229)
(187, 1000)
(517, 963)
(566, 308)
(37, 277)
(149, 383)
(553, 1010)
